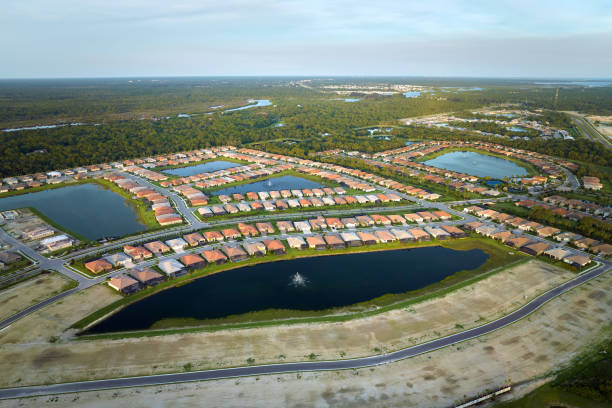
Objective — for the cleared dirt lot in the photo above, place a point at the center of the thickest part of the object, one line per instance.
(528, 348)
(54, 319)
(23, 295)
(40, 362)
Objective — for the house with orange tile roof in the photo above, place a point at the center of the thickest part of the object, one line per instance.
(264, 228)
(137, 253)
(234, 253)
(231, 233)
(384, 236)
(381, 219)
(194, 239)
(454, 231)
(98, 266)
(443, 215)
(334, 241)
(213, 236)
(124, 284)
(334, 223)
(536, 248)
(419, 234)
(275, 246)
(146, 276)
(214, 256)
(367, 238)
(157, 247)
(192, 261)
(316, 242)
(518, 242)
(247, 230)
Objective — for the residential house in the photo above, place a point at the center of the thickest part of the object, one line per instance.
(194, 239)
(518, 242)
(255, 248)
(99, 265)
(316, 242)
(265, 228)
(367, 238)
(231, 233)
(118, 260)
(437, 233)
(297, 242)
(275, 246)
(177, 244)
(557, 253)
(303, 226)
(247, 230)
(419, 234)
(334, 241)
(213, 236)
(157, 247)
(349, 222)
(214, 256)
(503, 236)
(137, 253)
(234, 253)
(365, 221)
(384, 236)
(577, 260)
(285, 226)
(192, 261)
(351, 239)
(454, 231)
(124, 284)
(172, 268)
(602, 249)
(536, 249)
(403, 235)
(146, 276)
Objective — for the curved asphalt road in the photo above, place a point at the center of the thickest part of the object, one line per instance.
(7, 322)
(96, 385)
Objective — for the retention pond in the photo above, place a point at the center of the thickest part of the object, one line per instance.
(87, 209)
(476, 164)
(316, 283)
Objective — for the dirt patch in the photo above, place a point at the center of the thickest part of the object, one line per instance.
(52, 321)
(470, 306)
(404, 382)
(32, 291)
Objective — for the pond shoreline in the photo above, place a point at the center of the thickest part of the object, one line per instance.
(498, 257)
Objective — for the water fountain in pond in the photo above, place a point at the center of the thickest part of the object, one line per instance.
(298, 280)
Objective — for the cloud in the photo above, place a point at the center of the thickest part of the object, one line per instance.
(155, 37)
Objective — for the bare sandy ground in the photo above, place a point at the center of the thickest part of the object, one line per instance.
(32, 291)
(54, 319)
(525, 350)
(32, 361)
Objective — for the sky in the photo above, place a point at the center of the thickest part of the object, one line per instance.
(132, 38)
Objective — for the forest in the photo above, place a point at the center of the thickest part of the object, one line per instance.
(124, 119)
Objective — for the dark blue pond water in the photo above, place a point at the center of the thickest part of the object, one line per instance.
(477, 164)
(274, 183)
(201, 168)
(86, 209)
(331, 281)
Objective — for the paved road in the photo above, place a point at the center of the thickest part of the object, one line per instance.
(590, 131)
(7, 322)
(97, 385)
